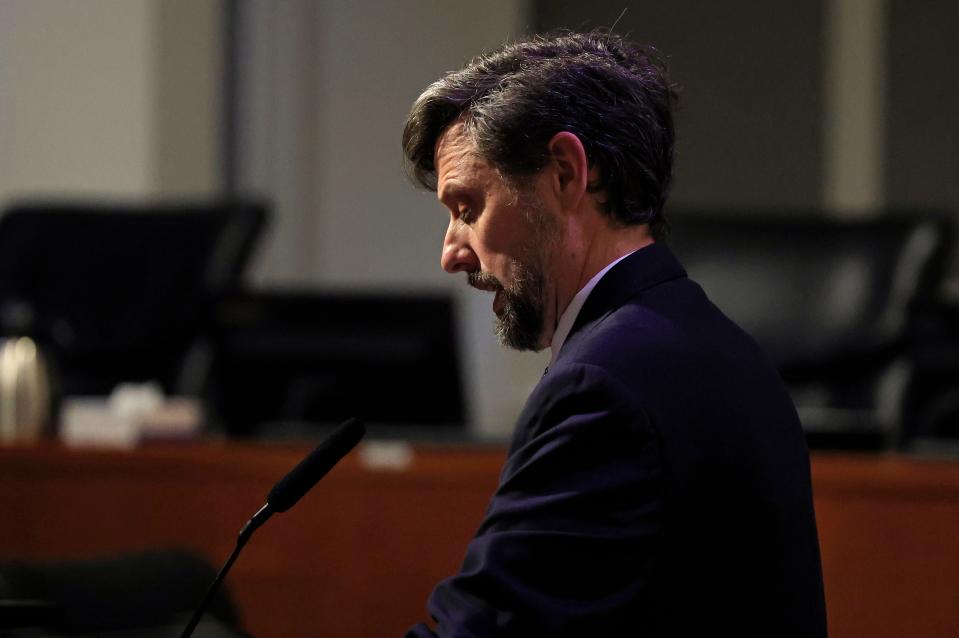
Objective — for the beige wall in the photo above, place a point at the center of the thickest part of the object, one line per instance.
(188, 71)
(113, 98)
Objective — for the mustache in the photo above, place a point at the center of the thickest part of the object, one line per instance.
(483, 280)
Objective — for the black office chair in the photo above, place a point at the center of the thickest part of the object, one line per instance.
(830, 300)
(932, 402)
(150, 593)
(118, 292)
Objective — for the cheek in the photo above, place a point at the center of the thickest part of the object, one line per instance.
(503, 240)
(503, 261)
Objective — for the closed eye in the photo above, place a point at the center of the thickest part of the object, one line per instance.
(466, 215)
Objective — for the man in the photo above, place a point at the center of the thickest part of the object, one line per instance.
(657, 482)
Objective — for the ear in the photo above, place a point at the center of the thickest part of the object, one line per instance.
(571, 168)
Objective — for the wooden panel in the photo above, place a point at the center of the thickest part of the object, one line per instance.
(358, 556)
(889, 531)
(361, 553)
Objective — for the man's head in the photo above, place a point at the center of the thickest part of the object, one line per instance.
(509, 133)
(613, 95)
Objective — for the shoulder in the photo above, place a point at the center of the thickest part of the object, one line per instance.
(658, 340)
(581, 401)
(641, 343)
(583, 450)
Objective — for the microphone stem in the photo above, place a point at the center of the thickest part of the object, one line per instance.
(198, 614)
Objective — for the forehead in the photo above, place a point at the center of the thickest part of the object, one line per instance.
(458, 165)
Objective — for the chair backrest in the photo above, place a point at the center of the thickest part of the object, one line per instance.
(126, 594)
(830, 300)
(116, 292)
(810, 288)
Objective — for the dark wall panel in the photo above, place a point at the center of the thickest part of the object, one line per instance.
(750, 124)
(922, 152)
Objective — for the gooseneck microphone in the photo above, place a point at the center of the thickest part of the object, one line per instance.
(285, 494)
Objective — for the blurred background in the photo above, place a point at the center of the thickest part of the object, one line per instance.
(843, 109)
(815, 194)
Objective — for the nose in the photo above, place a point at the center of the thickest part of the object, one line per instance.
(457, 254)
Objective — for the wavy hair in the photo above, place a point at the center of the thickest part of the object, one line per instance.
(614, 95)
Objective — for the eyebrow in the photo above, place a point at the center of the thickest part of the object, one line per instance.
(453, 191)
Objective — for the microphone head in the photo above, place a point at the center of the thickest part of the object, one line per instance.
(310, 470)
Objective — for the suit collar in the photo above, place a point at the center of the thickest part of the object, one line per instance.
(645, 268)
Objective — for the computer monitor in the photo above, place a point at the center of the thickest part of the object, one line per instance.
(294, 363)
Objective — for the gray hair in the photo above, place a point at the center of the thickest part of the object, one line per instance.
(612, 94)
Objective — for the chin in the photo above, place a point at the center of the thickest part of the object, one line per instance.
(515, 336)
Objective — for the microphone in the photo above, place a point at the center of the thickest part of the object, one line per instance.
(285, 494)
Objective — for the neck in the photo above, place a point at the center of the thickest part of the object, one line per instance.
(587, 251)
(607, 248)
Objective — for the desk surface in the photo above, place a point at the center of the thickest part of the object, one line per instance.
(360, 554)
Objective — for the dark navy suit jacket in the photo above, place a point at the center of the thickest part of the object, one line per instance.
(657, 484)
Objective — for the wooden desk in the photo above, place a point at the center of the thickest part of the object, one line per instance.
(889, 533)
(360, 554)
